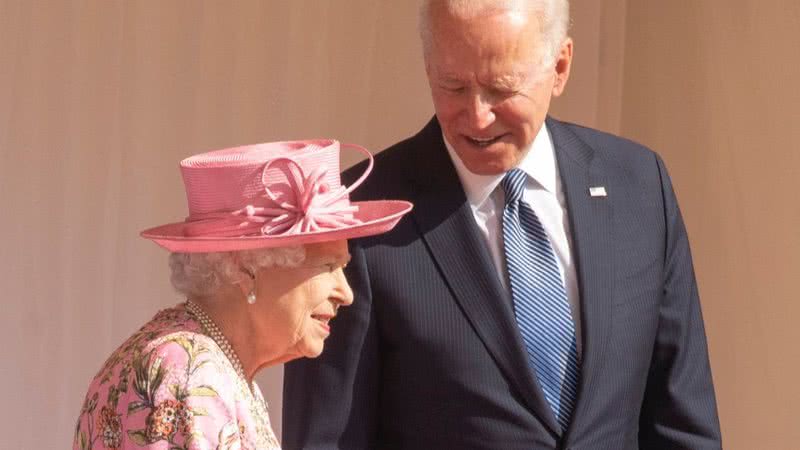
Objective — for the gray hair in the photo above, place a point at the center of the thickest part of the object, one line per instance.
(553, 18)
(202, 274)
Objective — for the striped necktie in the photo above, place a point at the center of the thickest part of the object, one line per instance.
(541, 308)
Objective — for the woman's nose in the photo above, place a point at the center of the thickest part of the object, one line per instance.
(345, 293)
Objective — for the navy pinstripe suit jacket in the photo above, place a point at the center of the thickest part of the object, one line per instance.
(429, 356)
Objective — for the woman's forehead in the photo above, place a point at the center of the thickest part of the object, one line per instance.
(335, 249)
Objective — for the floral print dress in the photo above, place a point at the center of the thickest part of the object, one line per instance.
(170, 387)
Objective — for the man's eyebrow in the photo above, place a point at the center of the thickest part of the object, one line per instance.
(450, 78)
(508, 80)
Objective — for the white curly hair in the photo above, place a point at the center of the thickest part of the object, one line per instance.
(202, 274)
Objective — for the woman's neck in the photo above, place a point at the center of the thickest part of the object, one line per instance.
(234, 318)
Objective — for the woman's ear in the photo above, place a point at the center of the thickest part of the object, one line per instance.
(246, 281)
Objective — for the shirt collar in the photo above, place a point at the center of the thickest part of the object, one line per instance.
(539, 163)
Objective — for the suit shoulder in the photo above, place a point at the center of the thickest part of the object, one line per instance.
(612, 146)
(628, 162)
(390, 173)
(388, 159)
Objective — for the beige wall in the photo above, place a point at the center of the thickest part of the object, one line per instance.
(713, 86)
(100, 99)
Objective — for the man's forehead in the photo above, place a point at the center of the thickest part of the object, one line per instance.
(445, 72)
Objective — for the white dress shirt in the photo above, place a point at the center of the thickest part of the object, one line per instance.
(543, 192)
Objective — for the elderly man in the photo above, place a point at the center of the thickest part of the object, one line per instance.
(542, 294)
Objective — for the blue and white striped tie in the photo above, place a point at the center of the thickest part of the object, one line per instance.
(541, 308)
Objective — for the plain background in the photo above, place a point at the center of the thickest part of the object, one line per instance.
(100, 99)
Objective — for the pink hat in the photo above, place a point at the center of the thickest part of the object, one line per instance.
(272, 195)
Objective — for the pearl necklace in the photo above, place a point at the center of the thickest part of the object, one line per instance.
(211, 330)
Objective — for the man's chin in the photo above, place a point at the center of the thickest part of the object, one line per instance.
(491, 160)
(487, 165)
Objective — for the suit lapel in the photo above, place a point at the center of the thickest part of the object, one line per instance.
(448, 227)
(592, 235)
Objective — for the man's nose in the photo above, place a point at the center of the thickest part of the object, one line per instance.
(481, 112)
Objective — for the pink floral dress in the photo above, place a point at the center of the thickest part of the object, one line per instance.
(170, 387)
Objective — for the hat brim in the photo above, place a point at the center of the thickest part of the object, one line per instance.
(376, 217)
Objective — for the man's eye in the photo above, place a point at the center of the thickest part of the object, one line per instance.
(503, 93)
(454, 89)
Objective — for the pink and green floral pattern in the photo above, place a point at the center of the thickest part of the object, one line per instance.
(171, 387)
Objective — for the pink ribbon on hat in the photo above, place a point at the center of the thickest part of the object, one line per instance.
(311, 206)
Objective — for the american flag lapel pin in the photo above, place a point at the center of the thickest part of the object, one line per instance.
(598, 191)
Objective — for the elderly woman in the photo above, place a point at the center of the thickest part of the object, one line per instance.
(260, 261)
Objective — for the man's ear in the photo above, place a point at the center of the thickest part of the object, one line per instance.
(563, 66)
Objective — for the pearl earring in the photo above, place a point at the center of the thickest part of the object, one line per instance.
(251, 297)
